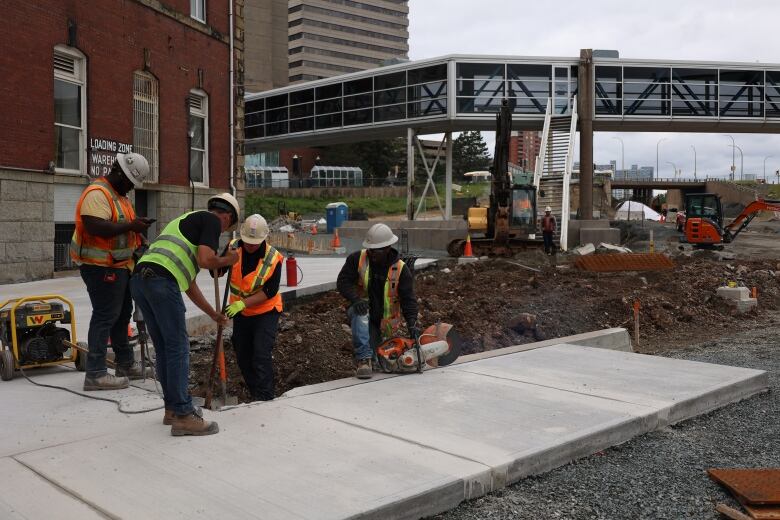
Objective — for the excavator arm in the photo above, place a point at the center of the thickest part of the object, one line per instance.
(750, 212)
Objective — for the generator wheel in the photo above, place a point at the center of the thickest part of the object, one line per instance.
(6, 365)
(81, 358)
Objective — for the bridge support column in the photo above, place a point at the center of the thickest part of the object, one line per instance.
(448, 178)
(585, 112)
(411, 135)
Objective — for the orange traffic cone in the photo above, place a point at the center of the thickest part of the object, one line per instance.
(467, 252)
(336, 242)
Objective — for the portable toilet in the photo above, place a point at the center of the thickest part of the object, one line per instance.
(335, 214)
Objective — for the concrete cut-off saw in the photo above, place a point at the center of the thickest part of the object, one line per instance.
(438, 346)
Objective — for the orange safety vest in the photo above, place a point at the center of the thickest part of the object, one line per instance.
(107, 252)
(245, 286)
(391, 314)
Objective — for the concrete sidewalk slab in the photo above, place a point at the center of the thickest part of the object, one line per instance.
(676, 388)
(27, 495)
(270, 462)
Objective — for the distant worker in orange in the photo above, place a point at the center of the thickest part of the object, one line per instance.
(548, 230)
(255, 306)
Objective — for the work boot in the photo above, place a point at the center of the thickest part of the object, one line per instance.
(193, 424)
(106, 382)
(364, 369)
(168, 418)
(133, 372)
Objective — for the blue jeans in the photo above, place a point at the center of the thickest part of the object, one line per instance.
(109, 295)
(163, 308)
(365, 336)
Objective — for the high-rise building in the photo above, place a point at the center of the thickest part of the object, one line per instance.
(524, 149)
(265, 55)
(332, 37)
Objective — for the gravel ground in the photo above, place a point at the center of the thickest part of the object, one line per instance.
(660, 475)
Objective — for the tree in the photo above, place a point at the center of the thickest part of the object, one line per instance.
(469, 153)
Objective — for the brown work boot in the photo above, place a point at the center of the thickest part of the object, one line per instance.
(106, 382)
(168, 418)
(364, 369)
(193, 424)
(133, 372)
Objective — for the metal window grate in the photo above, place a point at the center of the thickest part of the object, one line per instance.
(146, 121)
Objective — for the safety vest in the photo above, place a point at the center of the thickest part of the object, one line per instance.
(174, 252)
(108, 252)
(245, 286)
(391, 314)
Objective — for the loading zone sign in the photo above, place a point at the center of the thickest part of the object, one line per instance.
(102, 154)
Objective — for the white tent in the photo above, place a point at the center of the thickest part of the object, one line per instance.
(633, 210)
(478, 174)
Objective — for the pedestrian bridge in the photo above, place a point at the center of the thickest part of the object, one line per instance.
(463, 92)
(659, 184)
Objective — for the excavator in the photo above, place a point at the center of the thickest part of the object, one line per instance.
(704, 219)
(509, 223)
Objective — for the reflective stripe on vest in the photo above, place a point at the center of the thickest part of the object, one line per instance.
(110, 252)
(174, 252)
(391, 313)
(245, 286)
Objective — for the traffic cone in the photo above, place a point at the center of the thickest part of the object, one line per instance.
(336, 242)
(467, 252)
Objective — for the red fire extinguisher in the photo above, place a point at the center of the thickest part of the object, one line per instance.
(292, 271)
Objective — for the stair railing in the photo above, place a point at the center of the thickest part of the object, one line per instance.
(542, 157)
(566, 190)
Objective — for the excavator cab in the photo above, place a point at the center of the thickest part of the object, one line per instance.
(703, 219)
(523, 216)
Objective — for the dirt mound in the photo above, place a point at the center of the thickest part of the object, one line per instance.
(484, 300)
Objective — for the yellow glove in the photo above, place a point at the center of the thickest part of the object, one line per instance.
(234, 308)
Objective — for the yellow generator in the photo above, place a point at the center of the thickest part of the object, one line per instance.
(32, 333)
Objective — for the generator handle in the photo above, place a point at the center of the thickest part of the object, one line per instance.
(40, 298)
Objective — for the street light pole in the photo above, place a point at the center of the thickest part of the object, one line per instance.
(694, 162)
(741, 163)
(622, 156)
(765, 158)
(674, 175)
(733, 153)
(657, 145)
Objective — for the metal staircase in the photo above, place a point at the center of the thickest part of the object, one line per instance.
(553, 168)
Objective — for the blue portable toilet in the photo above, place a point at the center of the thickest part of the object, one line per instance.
(335, 214)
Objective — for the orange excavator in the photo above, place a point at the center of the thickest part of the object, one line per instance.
(704, 219)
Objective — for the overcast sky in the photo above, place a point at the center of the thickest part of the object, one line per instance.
(706, 30)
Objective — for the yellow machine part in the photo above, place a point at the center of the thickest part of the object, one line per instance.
(478, 220)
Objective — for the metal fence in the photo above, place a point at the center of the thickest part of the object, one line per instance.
(324, 183)
(62, 236)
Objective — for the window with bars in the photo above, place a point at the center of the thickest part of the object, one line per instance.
(146, 121)
(70, 110)
(198, 136)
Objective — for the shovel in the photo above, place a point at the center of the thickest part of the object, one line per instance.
(219, 355)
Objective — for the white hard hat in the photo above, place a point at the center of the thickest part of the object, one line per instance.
(379, 236)
(547, 209)
(134, 166)
(254, 229)
(226, 202)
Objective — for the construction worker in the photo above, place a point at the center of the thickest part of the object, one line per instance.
(380, 290)
(106, 237)
(548, 230)
(255, 306)
(170, 266)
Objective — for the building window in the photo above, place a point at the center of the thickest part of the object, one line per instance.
(198, 10)
(146, 106)
(198, 136)
(70, 110)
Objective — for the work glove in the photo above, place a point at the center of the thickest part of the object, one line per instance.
(360, 307)
(234, 308)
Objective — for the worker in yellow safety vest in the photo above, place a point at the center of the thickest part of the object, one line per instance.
(169, 268)
(379, 287)
(107, 235)
(255, 306)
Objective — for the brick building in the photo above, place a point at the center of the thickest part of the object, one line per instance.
(85, 80)
(524, 147)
